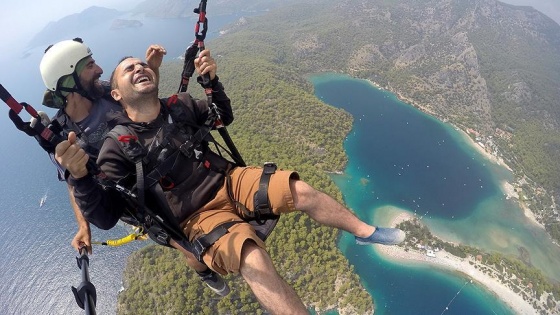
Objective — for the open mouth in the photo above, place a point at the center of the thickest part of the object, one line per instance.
(142, 79)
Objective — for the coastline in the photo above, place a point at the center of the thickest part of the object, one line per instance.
(507, 188)
(465, 267)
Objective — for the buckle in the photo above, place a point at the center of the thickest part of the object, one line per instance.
(186, 147)
(198, 249)
(163, 238)
(269, 168)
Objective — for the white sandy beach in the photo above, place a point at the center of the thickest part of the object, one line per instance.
(447, 261)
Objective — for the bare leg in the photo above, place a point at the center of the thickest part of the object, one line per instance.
(326, 210)
(273, 293)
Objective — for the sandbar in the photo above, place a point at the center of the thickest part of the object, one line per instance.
(466, 267)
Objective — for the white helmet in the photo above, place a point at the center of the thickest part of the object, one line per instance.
(61, 59)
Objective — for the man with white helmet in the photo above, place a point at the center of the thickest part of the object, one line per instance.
(74, 87)
(72, 80)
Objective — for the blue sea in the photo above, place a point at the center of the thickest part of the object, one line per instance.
(401, 159)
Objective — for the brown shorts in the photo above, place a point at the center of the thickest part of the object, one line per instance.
(225, 255)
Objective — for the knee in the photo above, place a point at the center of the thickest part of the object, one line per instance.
(254, 258)
(303, 194)
(251, 251)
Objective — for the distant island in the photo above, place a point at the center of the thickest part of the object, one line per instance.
(73, 24)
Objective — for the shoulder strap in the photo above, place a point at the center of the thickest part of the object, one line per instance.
(177, 104)
(128, 142)
(63, 125)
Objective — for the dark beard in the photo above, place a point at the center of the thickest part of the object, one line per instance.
(94, 89)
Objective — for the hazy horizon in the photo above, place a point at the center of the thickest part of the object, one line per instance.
(29, 17)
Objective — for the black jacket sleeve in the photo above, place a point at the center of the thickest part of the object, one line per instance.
(199, 109)
(103, 206)
(221, 100)
(95, 202)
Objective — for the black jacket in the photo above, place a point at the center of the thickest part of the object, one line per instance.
(195, 181)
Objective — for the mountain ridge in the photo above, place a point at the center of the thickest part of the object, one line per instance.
(71, 25)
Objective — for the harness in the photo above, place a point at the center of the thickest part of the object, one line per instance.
(153, 164)
(50, 136)
(262, 219)
(62, 124)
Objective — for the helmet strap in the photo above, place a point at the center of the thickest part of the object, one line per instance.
(79, 88)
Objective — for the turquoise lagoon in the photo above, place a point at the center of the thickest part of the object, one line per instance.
(401, 159)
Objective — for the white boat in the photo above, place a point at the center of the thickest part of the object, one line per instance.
(43, 200)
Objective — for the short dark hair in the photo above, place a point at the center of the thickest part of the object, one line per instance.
(112, 81)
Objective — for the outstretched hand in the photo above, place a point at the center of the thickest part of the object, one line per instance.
(72, 157)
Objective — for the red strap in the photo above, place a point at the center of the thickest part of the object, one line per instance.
(172, 100)
(9, 100)
(127, 138)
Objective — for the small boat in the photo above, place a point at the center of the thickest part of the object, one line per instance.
(43, 200)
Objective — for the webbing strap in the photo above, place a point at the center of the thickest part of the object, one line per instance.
(165, 219)
(140, 188)
(261, 202)
(200, 29)
(201, 244)
(188, 67)
(233, 152)
(15, 105)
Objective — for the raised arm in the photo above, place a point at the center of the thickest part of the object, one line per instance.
(206, 64)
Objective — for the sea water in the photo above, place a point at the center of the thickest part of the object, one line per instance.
(400, 158)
